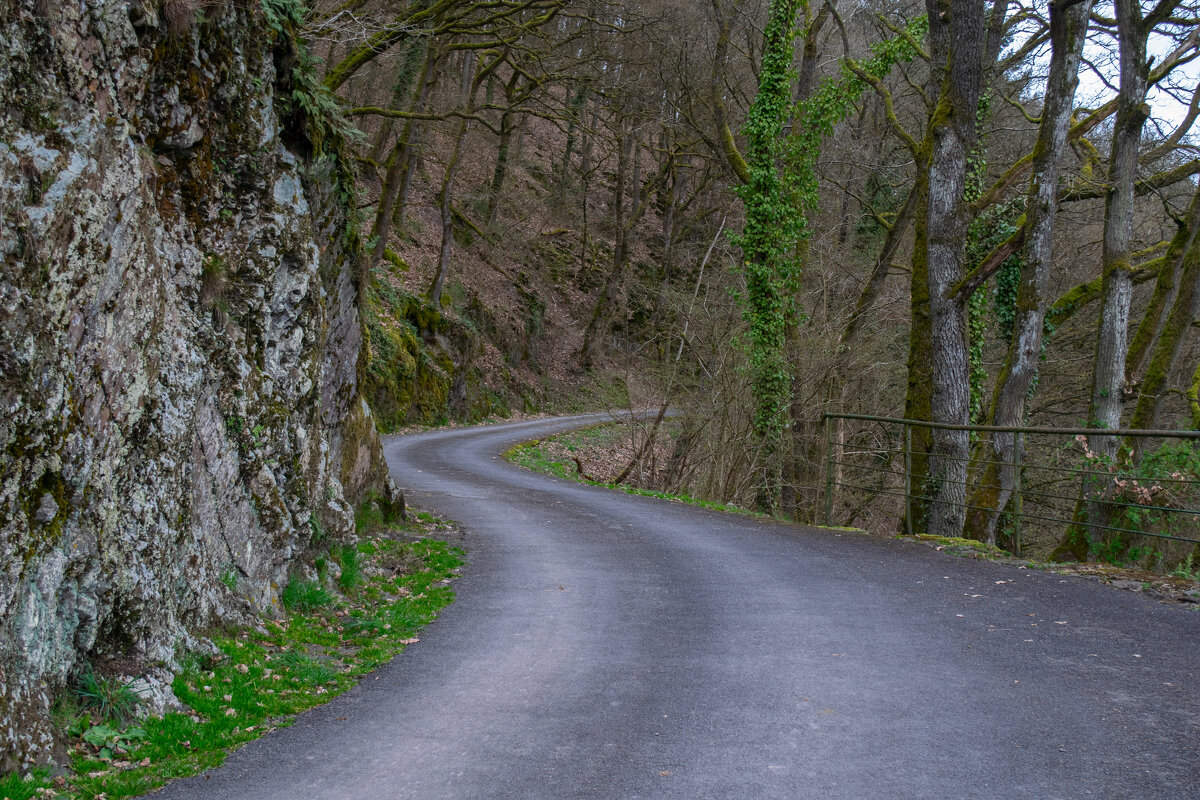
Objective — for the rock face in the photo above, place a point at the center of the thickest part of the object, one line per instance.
(179, 338)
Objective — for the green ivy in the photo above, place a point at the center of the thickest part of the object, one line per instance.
(775, 225)
(977, 325)
(991, 228)
(834, 99)
(326, 126)
(782, 185)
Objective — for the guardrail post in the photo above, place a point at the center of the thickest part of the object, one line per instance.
(829, 471)
(908, 520)
(1018, 499)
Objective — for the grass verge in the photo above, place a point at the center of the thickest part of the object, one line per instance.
(554, 456)
(259, 680)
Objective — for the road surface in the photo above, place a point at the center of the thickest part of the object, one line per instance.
(605, 645)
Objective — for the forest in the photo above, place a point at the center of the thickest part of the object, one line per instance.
(872, 265)
(758, 213)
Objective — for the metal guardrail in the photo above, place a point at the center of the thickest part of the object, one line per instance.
(1048, 482)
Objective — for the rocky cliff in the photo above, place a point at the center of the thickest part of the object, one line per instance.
(179, 337)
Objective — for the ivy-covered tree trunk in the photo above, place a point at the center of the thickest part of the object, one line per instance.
(1068, 28)
(774, 224)
(803, 449)
(952, 133)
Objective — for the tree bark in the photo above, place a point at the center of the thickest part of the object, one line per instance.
(952, 135)
(469, 87)
(1116, 286)
(919, 390)
(608, 295)
(1193, 396)
(1148, 329)
(729, 149)
(574, 107)
(501, 171)
(507, 126)
(1162, 363)
(1068, 29)
(401, 91)
(1116, 292)
(395, 179)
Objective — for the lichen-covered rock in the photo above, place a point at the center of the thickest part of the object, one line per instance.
(179, 341)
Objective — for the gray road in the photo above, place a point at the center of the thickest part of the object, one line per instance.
(611, 646)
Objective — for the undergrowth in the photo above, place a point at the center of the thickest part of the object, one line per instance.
(258, 680)
(534, 456)
(105, 697)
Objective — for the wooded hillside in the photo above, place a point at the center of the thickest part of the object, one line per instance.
(960, 212)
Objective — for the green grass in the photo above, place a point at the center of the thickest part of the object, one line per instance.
(301, 595)
(376, 513)
(259, 680)
(351, 575)
(955, 545)
(531, 455)
(14, 787)
(104, 698)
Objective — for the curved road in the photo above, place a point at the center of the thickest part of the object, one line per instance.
(611, 646)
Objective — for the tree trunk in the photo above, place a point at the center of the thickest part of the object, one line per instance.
(1116, 287)
(1148, 330)
(1166, 352)
(952, 136)
(1193, 396)
(507, 126)
(501, 171)
(585, 260)
(396, 177)
(1108, 382)
(414, 52)
(447, 209)
(612, 284)
(1068, 28)
(919, 391)
(574, 105)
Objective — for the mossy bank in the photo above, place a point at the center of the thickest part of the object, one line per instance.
(361, 605)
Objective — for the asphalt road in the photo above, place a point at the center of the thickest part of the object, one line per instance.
(611, 646)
